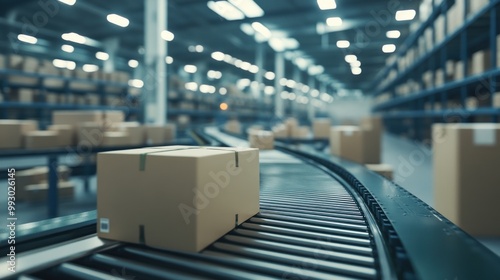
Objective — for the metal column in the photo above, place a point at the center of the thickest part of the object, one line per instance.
(259, 76)
(279, 65)
(155, 75)
(311, 114)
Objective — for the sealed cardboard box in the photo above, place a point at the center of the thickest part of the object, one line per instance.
(112, 117)
(466, 161)
(321, 128)
(233, 126)
(115, 138)
(91, 133)
(12, 132)
(481, 62)
(159, 134)
(136, 132)
(65, 134)
(384, 170)
(193, 195)
(355, 143)
(39, 192)
(261, 139)
(41, 139)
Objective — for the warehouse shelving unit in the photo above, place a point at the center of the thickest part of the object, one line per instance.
(413, 113)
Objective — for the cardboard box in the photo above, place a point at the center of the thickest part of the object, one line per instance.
(37, 175)
(466, 161)
(300, 132)
(459, 71)
(261, 139)
(254, 128)
(115, 138)
(76, 117)
(193, 195)
(24, 95)
(440, 78)
(321, 128)
(113, 117)
(233, 126)
(481, 62)
(157, 135)
(476, 5)
(66, 135)
(355, 144)
(12, 132)
(384, 170)
(496, 100)
(439, 30)
(280, 131)
(136, 132)
(41, 139)
(91, 133)
(39, 192)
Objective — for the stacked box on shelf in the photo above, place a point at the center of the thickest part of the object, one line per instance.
(455, 16)
(439, 29)
(12, 132)
(481, 62)
(476, 5)
(39, 139)
(24, 64)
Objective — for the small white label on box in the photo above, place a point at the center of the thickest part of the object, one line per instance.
(484, 137)
(104, 225)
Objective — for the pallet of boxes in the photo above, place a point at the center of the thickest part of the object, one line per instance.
(466, 164)
(361, 144)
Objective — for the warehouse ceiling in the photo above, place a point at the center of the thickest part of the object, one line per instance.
(364, 25)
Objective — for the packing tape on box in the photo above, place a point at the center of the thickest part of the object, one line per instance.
(142, 157)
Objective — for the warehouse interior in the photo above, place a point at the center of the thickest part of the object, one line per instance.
(250, 139)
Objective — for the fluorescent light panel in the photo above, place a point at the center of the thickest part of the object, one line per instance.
(68, 48)
(68, 2)
(118, 20)
(343, 44)
(389, 48)
(133, 63)
(393, 34)
(404, 15)
(27, 39)
(169, 60)
(262, 30)
(167, 35)
(327, 4)
(74, 37)
(225, 10)
(102, 55)
(248, 7)
(89, 68)
(334, 21)
(190, 68)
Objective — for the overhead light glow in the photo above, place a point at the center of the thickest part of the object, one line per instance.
(242, 83)
(59, 63)
(211, 74)
(167, 35)
(190, 68)
(262, 30)
(277, 44)
(404, 15)
(314, 93)
(223, 106)
(169, 60)
(225, 10)
(74, 37)
(247, 29)
(315, 70)
(284, 95)
(136, 83)
(68, 48)
(222, 91)
(301, 62)
(292, 96)
(219, 56)
(27, 39)
(68, 2)
(290, 83)
(305, 89)
(254, 69)
(118, 20)
(393, 34)
(245, 65)
(327, 4)
(270, 75)
(350, 58)
(89, 68)
(248, 7)
(283, 81)
(334, 21)
(356, 70)
(199, 48)
(133, 63)
(192, 86)
(228, 58)
(269, 90)
(389, 48)
(343, 44)
(102, 55)
(356, 63)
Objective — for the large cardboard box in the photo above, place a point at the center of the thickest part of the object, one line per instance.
(41, 139)
(12, 132)
(321, 128)
(115, 138)
(113, 117)
(280, 131)
(384, 170)
(300, 132)
(136, 132)
(193, 195)
(481, 62)
(39, 192)
(65, 134)
(233, 126)
(261, 139)
(466, 161)
(355, 143)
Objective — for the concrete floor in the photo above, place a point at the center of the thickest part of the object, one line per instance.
(412, 170)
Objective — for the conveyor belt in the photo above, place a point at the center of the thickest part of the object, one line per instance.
(313, 224)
